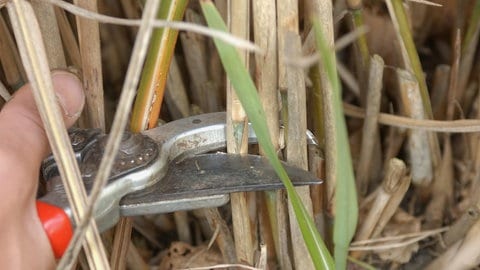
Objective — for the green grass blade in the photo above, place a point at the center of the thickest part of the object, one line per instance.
(346, 213)
(247, 93)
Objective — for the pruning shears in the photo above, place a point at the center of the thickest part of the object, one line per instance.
(169, 168)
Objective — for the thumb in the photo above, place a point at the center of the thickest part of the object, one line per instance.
(22, 134)
(23, 145)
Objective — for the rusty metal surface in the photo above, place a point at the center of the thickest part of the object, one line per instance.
(209, 175)
(143, 160)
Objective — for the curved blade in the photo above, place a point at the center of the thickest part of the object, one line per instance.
(192, 182)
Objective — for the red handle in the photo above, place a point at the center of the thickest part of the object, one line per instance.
(57, 226)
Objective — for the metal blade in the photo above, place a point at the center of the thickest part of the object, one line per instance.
(205, 180)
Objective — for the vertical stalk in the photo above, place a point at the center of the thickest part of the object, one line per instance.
(412, 64)
(72, 50)
(265, 36)
(287, 21)
(322, 9)
(50, 33)
(469, 46)
(317, 105)
(154, 76)
(362, 54)
(237, 137)
(296, 146)
(89, 42)
(370, 125)
(409, 52)
(341, 191)
(196, 54)
(419, 153)
(10, 59)
(148, 103)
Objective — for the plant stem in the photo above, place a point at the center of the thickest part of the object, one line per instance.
(237, 141)
(151, 90)
(89, 42)
(412, 61)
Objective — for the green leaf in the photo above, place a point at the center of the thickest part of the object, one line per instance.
(247, 93)
(346, 207)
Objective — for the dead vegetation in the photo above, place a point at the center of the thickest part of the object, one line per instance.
(417, 179)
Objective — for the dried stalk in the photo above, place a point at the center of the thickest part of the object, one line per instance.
(296, 146)
(50, 33)
(461, 226)
(464, 223)
(439, 91)
(287, 16)
(349, 80)
(183, 229)
(10, 59)
(412, 63)
(196, 55)
(135, 260)
(361, 51)
(470, 215)
(322, 10)
(469, 47)
(33, 55)
(408, 50)
(454, 93)
(176, 97)
(89, 43)
(132, 11)
(442, 191)
(224, 238)
(287, 21)
(395, 172)
(266, 207)
(119, 123)
(68, 37)
(316, 167)
(391, 208)
(121, 243)
(265, 35)
(419, 153)
(455, 126)
(316, 105)
(115, 54)
(370, 128)
(237, 138)
(464, 254)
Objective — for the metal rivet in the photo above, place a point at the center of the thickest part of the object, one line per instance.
(77, 139)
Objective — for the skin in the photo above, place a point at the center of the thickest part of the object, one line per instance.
(23, 146)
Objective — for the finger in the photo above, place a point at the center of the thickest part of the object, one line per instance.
(21, 129)
(23, 145)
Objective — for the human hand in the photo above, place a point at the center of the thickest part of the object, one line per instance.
(23, 146)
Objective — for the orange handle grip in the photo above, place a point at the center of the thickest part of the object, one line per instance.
(57, 226)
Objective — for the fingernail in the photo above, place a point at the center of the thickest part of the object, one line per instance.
(69, 92)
